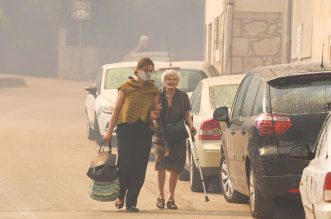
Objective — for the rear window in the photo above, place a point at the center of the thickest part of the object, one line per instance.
(189, 79)
(300, 96)
(222, 95)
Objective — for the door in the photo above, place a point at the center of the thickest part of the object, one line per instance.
(234, 129)
(96, 103)
(242, 138)
(195, 102)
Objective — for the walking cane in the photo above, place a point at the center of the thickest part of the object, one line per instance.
(198, 164)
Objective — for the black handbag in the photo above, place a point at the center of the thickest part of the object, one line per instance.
(103, 166)
(175, 131)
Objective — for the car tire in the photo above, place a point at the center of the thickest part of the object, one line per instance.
(260, 207)
(98, 137)
(195, 179)
(184, 175)
(90, 132)
(230, 194)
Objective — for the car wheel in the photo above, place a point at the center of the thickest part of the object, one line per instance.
(185, 174)
(195, 179)
(229, 193)
(90, 132)
(260, 207)
(98, 137)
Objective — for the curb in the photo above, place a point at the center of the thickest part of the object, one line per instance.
(6, 82)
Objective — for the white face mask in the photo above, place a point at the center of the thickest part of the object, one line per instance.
(143, 75)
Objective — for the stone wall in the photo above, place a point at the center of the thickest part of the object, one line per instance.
(256, 40)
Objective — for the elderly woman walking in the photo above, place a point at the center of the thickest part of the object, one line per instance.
(171, 155)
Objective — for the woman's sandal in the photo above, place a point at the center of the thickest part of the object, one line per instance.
(160, 203)
(119, 203)
(171, 204)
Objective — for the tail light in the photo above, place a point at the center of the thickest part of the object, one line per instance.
(210, 130)
(327, 188)
(269, 123)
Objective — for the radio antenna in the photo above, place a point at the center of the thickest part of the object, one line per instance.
(169, 57)
(322, 61)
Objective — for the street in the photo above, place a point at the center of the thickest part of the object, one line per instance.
(45, 154)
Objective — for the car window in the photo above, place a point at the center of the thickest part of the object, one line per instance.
(117, 76)
(258, 104)
(98, 81)
(240, 95)
(250, 96)
(300, 96)
(188, 81)
(196, 99)
(324, 140)
(222, 95)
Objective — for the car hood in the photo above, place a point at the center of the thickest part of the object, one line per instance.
(110, 95)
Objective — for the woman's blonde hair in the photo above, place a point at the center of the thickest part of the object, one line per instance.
(169, 72)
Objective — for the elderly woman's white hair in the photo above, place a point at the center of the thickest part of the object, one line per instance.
(169, 72)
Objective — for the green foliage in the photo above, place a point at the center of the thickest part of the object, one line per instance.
(3, 20)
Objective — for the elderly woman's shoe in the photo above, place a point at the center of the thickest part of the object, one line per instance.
(119, 203)
(132, 209)
(171, 204)
(160, 203)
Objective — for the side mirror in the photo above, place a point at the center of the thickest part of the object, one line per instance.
(91, 90)
(301, 152)
(221, 114)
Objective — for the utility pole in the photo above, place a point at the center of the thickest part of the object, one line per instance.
(81, 10)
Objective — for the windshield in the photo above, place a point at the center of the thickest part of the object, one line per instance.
(301, 96)
(188, 81)
(222, 95)
(117, 76)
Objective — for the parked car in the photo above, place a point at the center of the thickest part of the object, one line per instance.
(315, 185)
(155, 56)
(101, 95)
(275, 108)
(209, 94)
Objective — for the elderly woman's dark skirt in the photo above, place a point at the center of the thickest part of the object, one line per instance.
(176, 158)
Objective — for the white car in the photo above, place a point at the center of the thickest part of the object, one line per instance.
(101, 95)
(208, 95)
(315, 185)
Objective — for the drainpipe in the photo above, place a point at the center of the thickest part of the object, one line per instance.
(227, 63)
(289, 11)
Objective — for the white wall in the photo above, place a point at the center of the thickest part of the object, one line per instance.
(213, 9)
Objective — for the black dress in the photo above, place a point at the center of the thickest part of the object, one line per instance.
(176, 159)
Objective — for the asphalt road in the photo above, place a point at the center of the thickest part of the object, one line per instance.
(45, 154)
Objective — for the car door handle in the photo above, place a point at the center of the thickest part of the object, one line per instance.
(243, 131)
(232, 132)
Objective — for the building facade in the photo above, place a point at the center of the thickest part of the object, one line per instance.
(311, 29)
(242, 34)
